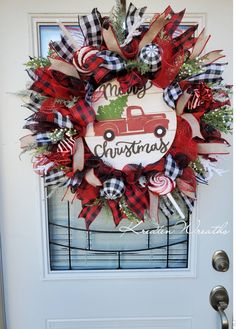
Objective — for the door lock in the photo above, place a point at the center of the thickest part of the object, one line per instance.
(219, 300)
(220, 261)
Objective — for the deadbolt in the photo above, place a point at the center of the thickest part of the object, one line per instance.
(220, 261)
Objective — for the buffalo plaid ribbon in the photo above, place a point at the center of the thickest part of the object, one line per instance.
(129, 80)
(62, 121)
(90, 212)
(182, 39)
(171, 168)
(111, 60)
(43, 82)
(65, 49)
(82, 113)
(212, 73)
(43, 139)
(188, 201)
(91, 28)
(34, 104)
(171, 94)
(99, 73)
(166, 207)
(136, 200)
(131, 14)
(55, 177)
(175, 20)
(116, 211)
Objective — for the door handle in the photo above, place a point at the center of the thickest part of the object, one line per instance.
(219, 300)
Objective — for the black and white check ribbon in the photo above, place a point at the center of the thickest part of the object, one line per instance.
(171, 168)
(132, 13)
(34, 104)
(188, 201)
(62, 121)
(64, 48)
(171, 94)
(166, 206)
(91, 28)
(56, 177)
(112, 61)
(112, 189)
(212, 73)
(43, 139)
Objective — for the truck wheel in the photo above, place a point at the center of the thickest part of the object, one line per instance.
(159, 131)
(109, 135)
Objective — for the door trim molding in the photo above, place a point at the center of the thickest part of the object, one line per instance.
(35, 20)
(132, 323)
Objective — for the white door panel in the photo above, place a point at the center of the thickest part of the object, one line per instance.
(37, 298)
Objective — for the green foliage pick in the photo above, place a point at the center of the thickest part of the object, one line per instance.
(189, 68)
(113, 110)
(220, 119)
(140, 66)
(37, 62)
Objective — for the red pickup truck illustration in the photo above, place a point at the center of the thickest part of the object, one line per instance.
(136, 122)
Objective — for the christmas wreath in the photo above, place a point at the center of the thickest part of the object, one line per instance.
(96, 143)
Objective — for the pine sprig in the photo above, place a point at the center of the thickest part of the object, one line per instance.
(68, 103)
(140, 66)
(220, 119)
(117, 19)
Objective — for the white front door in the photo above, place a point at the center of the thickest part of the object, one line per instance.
(40, 297)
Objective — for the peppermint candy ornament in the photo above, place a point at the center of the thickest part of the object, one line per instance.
(162, 185)
(113, 189)
(151, 55)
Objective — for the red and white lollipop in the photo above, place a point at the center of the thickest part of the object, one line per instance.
(163, 185)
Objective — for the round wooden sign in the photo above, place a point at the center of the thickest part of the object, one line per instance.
(133, 128)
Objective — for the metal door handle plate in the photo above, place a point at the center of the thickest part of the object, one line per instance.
(219, 300)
